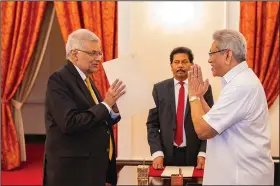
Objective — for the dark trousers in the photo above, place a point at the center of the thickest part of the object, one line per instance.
(178, 158)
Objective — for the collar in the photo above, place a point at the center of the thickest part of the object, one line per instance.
(83, 76)
(235, 71)
(177, 82)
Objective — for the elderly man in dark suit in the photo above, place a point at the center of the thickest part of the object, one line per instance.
(79, 139)
(171, 134)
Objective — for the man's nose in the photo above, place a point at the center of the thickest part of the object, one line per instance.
(98, 58)
(180, 65)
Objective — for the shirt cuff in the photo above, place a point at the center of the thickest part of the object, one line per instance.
(202, 154)
(114, 115)
(111, 112)
(157, 154)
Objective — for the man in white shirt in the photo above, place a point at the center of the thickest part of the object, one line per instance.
(171, 135)
(236, 127)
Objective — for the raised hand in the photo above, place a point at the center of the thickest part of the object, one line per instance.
(115, 91)
(196, 85)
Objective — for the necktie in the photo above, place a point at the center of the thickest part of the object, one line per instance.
(96, 101)
(180, 115)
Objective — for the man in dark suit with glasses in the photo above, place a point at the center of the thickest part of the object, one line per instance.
(79, 137)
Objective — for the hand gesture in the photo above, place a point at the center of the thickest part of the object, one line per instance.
(115, 91)
(196, 85)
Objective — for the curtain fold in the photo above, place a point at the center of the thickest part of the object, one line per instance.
(98, 17)
(30, 76)
(21, 22)
(259, 22)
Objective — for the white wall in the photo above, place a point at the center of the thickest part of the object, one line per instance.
(146, 31)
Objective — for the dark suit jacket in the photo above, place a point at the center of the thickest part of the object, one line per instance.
(77, 133)
(161, 123)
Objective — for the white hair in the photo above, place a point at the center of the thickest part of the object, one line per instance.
(76, 39)
(233, 40)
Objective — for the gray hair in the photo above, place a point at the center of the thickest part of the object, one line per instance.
(76, 39)
(233, 40)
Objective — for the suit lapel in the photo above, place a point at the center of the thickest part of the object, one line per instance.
(96, 91)
(85, 90)
(81, 84)
(187, 108)
(171, 95)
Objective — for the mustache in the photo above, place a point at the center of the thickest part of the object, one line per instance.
(180, 70)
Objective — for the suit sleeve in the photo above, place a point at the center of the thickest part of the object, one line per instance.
(64, 110)
(209, 100)
(153, 126)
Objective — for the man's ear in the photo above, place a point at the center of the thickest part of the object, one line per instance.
(228, 57)
(73, 55)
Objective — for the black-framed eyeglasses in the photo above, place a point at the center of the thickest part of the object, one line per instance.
(210, 53)
(93, 53)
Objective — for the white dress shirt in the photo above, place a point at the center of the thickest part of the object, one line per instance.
(240, 153)
(112, 113)
(177, 87)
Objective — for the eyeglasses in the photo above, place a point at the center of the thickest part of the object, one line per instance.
(93, 53)
(210, 53)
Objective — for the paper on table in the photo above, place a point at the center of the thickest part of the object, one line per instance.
(138, 96)
(187, 171)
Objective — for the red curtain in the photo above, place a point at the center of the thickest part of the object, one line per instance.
(98, 17)
(21, 22)
(259, 22)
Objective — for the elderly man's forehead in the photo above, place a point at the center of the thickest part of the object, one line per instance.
(92, 44)
(214, 45)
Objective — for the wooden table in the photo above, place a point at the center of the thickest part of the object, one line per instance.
(128, 176)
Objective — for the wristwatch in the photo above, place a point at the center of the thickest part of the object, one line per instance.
(193, 98)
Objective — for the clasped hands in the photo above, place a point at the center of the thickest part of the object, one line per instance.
(196, 85)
